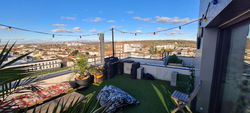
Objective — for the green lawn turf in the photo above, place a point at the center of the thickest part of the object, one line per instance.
(154, 96)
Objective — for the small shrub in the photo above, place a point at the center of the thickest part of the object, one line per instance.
(93, 70)
(174, 59)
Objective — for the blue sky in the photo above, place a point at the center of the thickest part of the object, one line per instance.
(76, 17)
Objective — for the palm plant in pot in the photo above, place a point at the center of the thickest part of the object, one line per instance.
(83, 78)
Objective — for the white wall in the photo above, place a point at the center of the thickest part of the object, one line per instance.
(187, 61)
(205, 71)
(159, 72)
(55, 80)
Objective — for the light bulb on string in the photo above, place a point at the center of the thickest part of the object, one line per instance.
(80, 36)
(179, 27)
(135, 34)
(9, 28)
(53, 35)
(215, 2)
(205, 19)
(154, 33)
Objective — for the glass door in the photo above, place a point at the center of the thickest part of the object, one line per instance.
(236, 82)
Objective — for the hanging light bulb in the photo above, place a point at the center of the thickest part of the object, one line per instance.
(53, 35)
(154, 33)
(80, 36)
(179, 27)
(9, 28)
(135, 34)
(205, 19)
(215, 2)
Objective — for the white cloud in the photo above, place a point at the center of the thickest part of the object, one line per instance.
(142, 19)
(124, 31)
(97, 19)
(93, 30)
(159, 28)
(61, 30)
(176, 29)
(138, 31)
(118, 27)
(3, 27)
(111, 21)
(59, 25)
(171, 20)
(162, 19)
(174, 33)
(177, 20)
(130, 12)
(77, 29)
(68, 18)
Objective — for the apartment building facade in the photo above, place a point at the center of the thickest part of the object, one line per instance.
(222, 56)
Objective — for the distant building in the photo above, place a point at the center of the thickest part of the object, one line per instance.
(41, 64)
(131, 47)
(168, 46)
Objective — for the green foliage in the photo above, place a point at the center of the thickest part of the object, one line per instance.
(82, 64)
(77, 105)
(153, 50)
(87, 53)
(94, 70)
(185, 83)
(174, 59)
(11, 77)
(74, 53)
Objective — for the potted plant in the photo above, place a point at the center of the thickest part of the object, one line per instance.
(174, 61)
(97, 73)
(83, 78)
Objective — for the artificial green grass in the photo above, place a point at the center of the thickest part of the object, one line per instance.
(154, 96)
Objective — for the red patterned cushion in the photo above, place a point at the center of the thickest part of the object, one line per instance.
(28, 100)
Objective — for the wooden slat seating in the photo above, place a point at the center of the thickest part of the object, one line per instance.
(183, 100)
(74, 96)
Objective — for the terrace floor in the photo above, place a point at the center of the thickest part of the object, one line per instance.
(154, 96)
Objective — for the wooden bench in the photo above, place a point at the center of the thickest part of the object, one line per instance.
(182, 99)
(51, 104)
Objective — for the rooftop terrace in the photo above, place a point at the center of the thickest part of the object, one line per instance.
(154, 96)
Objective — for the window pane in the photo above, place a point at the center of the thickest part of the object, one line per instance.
(238, 68)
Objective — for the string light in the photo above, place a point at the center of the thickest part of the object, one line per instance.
(155, 32)
(179, 27)
(40, 32)
(205, 19)
(215, 2)
(135, 33)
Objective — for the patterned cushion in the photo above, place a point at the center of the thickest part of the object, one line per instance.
(28, 100)
(115, 98)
